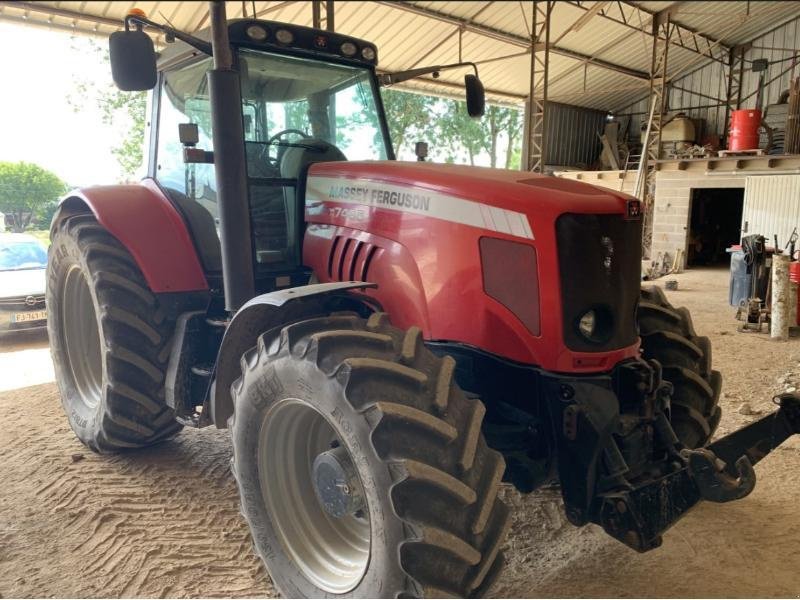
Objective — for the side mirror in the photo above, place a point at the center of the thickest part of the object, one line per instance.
(133, 60)
(476, 98)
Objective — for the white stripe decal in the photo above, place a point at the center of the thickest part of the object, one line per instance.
(418, 201)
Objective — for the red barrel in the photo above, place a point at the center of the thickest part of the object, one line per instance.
(794, 277)
(743, 133)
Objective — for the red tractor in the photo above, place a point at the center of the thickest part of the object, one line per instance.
(386, 341)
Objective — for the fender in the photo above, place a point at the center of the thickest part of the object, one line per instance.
(143, 219)
(266, 312)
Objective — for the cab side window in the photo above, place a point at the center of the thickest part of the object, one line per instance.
(184, 99)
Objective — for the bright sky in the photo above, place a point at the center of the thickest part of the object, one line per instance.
(37, 124)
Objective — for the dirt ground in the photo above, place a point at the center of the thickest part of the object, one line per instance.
(165, 521)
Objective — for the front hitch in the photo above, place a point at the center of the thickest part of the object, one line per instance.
(713, 479)
(719, 473)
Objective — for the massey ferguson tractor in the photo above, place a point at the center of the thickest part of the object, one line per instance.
(386, 341)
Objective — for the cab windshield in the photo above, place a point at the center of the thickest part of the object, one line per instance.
(287, 100)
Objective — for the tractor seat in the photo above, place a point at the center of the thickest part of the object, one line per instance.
(297, 159)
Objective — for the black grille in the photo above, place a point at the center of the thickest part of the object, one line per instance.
(21, 302)
(600, 267)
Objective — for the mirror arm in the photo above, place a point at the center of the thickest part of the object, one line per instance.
(197, 43)
(386, 79)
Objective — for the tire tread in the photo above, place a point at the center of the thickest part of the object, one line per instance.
(668, 336)
(136, 340)
(428, 434)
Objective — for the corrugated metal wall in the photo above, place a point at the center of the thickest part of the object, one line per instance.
(572, 135)
(695, 92)
(771, 206)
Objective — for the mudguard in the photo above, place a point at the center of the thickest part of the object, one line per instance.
(266, 312)
(143, 219)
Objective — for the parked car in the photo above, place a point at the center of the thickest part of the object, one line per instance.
(23, 260)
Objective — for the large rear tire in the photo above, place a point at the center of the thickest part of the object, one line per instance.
(109, 339)
(425, 521)
(668, 336)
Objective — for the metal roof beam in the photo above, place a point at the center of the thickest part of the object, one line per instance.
(60, 12)
(75, 30)
(457, 88)
(510, 38)
(644, 21)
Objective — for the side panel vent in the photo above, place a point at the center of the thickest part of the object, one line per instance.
(350, 259)
(368, 262)
(332, 255)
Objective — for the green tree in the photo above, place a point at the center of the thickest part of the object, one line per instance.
(513, 127)
(124, 111)
(457, 132)
(461, 134)
(493, 122)
(27, 193)
(409, 116)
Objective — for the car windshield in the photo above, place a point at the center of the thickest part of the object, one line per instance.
(16, 256)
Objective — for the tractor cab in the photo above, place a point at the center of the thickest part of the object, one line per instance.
(306, 97)
(288, 97)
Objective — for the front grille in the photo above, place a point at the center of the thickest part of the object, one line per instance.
(599, 260)
(20, 302)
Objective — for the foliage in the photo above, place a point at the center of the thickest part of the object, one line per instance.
(454, 136)
(409, 116)
(28, 193)
(458, 132)
(124, 111)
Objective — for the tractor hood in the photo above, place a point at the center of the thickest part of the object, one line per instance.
(471, 248)
(511, 202)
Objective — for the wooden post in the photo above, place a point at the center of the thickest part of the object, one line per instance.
(779, 317)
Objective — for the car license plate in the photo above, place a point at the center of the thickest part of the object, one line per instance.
(34, 315)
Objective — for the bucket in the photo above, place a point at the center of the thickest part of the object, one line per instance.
(794, 277)
(743, 133)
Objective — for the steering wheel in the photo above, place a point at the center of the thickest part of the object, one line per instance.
(276, 138)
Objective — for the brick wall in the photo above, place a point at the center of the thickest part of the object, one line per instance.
(673, 205)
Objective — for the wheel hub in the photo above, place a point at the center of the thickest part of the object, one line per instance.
(81, 338)
(336, 484)
(313, 496)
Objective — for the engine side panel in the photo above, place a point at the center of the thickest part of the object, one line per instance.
(415, 231)
(149, 226)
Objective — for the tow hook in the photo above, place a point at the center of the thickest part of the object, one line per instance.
(713, 482)
(724, 471)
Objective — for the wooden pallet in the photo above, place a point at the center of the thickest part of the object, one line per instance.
(755, 152)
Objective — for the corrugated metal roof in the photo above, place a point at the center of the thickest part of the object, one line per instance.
(493, 29)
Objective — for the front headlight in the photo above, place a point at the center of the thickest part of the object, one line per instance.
(587, 324)
(596, 324)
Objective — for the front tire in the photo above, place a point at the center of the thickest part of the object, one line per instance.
(668, 336)
(423, 518)
(109, 339)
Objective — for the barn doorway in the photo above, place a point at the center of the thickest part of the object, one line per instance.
(714, 224)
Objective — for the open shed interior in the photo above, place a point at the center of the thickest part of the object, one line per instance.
(366, 452)
(715, 223)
